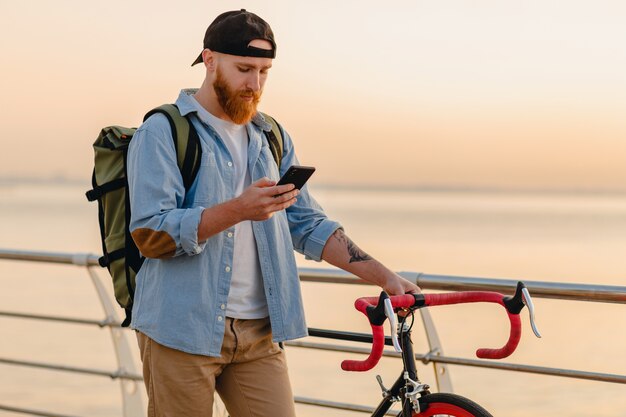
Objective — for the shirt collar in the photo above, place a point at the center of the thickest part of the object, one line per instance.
(185, 102)
(186, 105)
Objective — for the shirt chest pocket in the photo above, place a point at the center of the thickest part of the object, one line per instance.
(268, 164)
(208, 188)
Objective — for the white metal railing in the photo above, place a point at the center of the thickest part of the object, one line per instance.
(129, 378)
(126, 372)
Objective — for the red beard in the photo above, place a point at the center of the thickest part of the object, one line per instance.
(239, 110)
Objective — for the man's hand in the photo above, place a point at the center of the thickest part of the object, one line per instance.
(263, 198)
(396, 285)
(257, 202)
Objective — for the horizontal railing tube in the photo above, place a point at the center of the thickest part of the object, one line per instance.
(429, 358)
(119, 374)
(84, 259)
(555, 290)
(338, 405)
(31, 412)
(72, 320)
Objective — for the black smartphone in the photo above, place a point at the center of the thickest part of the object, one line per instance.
(296, 175)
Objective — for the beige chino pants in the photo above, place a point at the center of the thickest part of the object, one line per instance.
(251, 375)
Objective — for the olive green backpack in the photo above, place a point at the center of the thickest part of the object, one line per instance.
(110, 188)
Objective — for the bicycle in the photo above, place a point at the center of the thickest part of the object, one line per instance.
(415, 397)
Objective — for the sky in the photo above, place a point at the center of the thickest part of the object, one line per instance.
(483, 93)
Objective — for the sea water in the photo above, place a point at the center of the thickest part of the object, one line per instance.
(556, 237)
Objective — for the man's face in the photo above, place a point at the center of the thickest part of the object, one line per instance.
(238, 85)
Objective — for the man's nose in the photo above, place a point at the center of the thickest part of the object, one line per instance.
(254, 81)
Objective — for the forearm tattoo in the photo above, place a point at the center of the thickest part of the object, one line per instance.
(356, 254)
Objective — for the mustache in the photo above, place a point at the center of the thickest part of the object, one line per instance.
(256, 95)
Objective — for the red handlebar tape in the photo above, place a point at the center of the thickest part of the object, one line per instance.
(374, 357)
(408, 300)
(489, 297)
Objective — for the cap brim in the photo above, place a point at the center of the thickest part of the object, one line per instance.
(198, 60)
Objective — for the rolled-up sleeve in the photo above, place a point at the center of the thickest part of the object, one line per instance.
(160, 226)
(309, 226)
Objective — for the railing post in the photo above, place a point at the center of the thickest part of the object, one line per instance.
(131, 394)
(442, 374)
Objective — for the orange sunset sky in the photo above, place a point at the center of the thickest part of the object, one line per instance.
(506, 94)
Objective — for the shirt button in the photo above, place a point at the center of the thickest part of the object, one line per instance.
(230, 234)
(219, 318)
(223, 306)
(230, 164)
(227, 269)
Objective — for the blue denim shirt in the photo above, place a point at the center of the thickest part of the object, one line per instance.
(182, 287)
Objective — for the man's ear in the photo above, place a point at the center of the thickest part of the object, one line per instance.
(209, 58)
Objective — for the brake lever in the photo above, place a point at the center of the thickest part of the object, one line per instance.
(515, 304)
(531, 310)
(393, 321)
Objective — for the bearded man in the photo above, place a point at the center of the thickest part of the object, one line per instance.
(219, 289)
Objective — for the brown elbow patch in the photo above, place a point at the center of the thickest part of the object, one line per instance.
(154, 244)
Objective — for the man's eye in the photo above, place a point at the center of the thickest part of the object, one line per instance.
(244, 69)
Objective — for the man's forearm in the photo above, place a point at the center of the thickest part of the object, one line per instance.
(342, 252)
(216, 219)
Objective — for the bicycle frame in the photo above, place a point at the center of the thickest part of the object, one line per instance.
(398, 390)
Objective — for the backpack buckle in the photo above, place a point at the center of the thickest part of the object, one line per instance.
(103, 261)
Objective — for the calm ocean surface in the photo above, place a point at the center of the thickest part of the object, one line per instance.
(577, 238)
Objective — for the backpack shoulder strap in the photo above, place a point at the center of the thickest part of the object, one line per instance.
(186, 142)
(275, 139)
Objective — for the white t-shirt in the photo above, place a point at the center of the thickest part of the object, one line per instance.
(246, 298)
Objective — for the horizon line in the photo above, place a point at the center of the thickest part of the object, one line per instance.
(8, 181)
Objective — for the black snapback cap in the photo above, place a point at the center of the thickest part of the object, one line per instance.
(231, 33)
